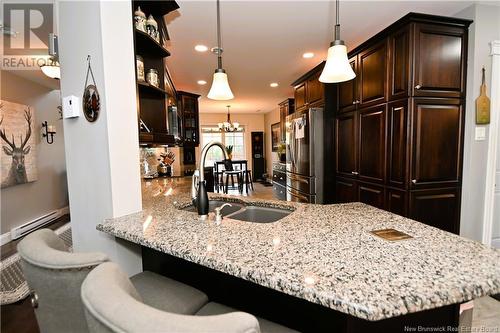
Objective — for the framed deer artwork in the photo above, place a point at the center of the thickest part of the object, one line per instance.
(18, 144)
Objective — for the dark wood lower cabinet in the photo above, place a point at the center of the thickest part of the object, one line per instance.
(439, 208)
(396, 202)
(372, 195)
(346, 190)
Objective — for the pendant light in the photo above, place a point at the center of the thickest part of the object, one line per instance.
(337, 67)
(229, 126)
(220, 89)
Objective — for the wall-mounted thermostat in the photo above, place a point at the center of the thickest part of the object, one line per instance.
(72, 107)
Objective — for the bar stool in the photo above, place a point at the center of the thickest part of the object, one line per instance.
(247, 176)
(113, 304)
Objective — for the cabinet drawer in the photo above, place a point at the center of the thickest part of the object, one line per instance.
(301, 183)
(346, 190)
(372, 195)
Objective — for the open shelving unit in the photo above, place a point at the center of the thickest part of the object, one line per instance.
(154, 103)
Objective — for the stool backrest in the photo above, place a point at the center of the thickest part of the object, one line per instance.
(112, 304)
(55, 276)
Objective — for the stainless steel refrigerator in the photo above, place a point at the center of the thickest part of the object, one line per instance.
(304, 156)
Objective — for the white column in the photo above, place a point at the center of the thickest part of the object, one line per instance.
(102, 158)
(489, 202)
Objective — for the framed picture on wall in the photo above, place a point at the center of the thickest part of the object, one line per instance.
(275, 136)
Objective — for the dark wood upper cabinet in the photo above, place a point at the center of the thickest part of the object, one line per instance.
(397, 143)
(399, 64)
(315, 90)
(309, 91)
(439, 58)
(345, 145)
(348, 91)
(188, 110)
(372, 195)
(371, 123)
(437, 142)
(372, 75)
(300, 97)
(439, 208)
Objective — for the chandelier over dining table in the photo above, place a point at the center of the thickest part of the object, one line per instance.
(228, 126)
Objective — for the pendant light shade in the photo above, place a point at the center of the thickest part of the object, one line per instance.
(337, 67)
(220, 89)
(52, 70)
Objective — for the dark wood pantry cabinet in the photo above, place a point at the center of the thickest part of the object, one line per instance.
(399, 124)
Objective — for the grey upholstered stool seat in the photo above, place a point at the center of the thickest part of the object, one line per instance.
(112, 304)
(55, 277)
(168, 295)
(266, 326)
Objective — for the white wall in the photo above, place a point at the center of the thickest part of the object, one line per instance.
(269, 119)
(486, 27)
(23, 203)
(102, 157)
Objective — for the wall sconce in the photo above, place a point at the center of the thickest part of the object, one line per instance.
(48, 132)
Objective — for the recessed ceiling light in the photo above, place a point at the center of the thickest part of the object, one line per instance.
(273, 85)
(201, 48)
(308, 55)
(201, 82)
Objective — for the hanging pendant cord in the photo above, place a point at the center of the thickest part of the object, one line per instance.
(219, 39)
(337, 18)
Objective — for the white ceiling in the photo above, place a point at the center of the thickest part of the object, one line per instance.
(264, 41)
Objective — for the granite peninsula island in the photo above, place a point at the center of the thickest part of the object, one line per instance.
(318, 269)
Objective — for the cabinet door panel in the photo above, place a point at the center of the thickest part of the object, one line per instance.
(437, 143)
(396, 202)
(348, 90)
(345, 190)
(373, 75)
(300, 96)
(397, 137)
(438, 208)
(315, 90)
(439, 61)
(372, 195)
(345, 145)
(372, 144)
(399, 64)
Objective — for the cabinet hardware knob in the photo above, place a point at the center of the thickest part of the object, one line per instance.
(357, 102)
(354, 102)
(355, 173)
(418, 86)
(281, 178)
(414, 181)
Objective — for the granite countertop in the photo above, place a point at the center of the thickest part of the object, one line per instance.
(321, 253)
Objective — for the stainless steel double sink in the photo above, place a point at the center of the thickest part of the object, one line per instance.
(242, 212)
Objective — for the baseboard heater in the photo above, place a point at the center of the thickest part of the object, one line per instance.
(39, 222)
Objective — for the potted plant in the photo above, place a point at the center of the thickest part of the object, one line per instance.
(229, 151)
(282, 152)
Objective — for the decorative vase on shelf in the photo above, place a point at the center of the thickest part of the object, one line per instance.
(152, 28)
(140, 20)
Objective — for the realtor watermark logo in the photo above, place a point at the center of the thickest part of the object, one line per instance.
(25, 31)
